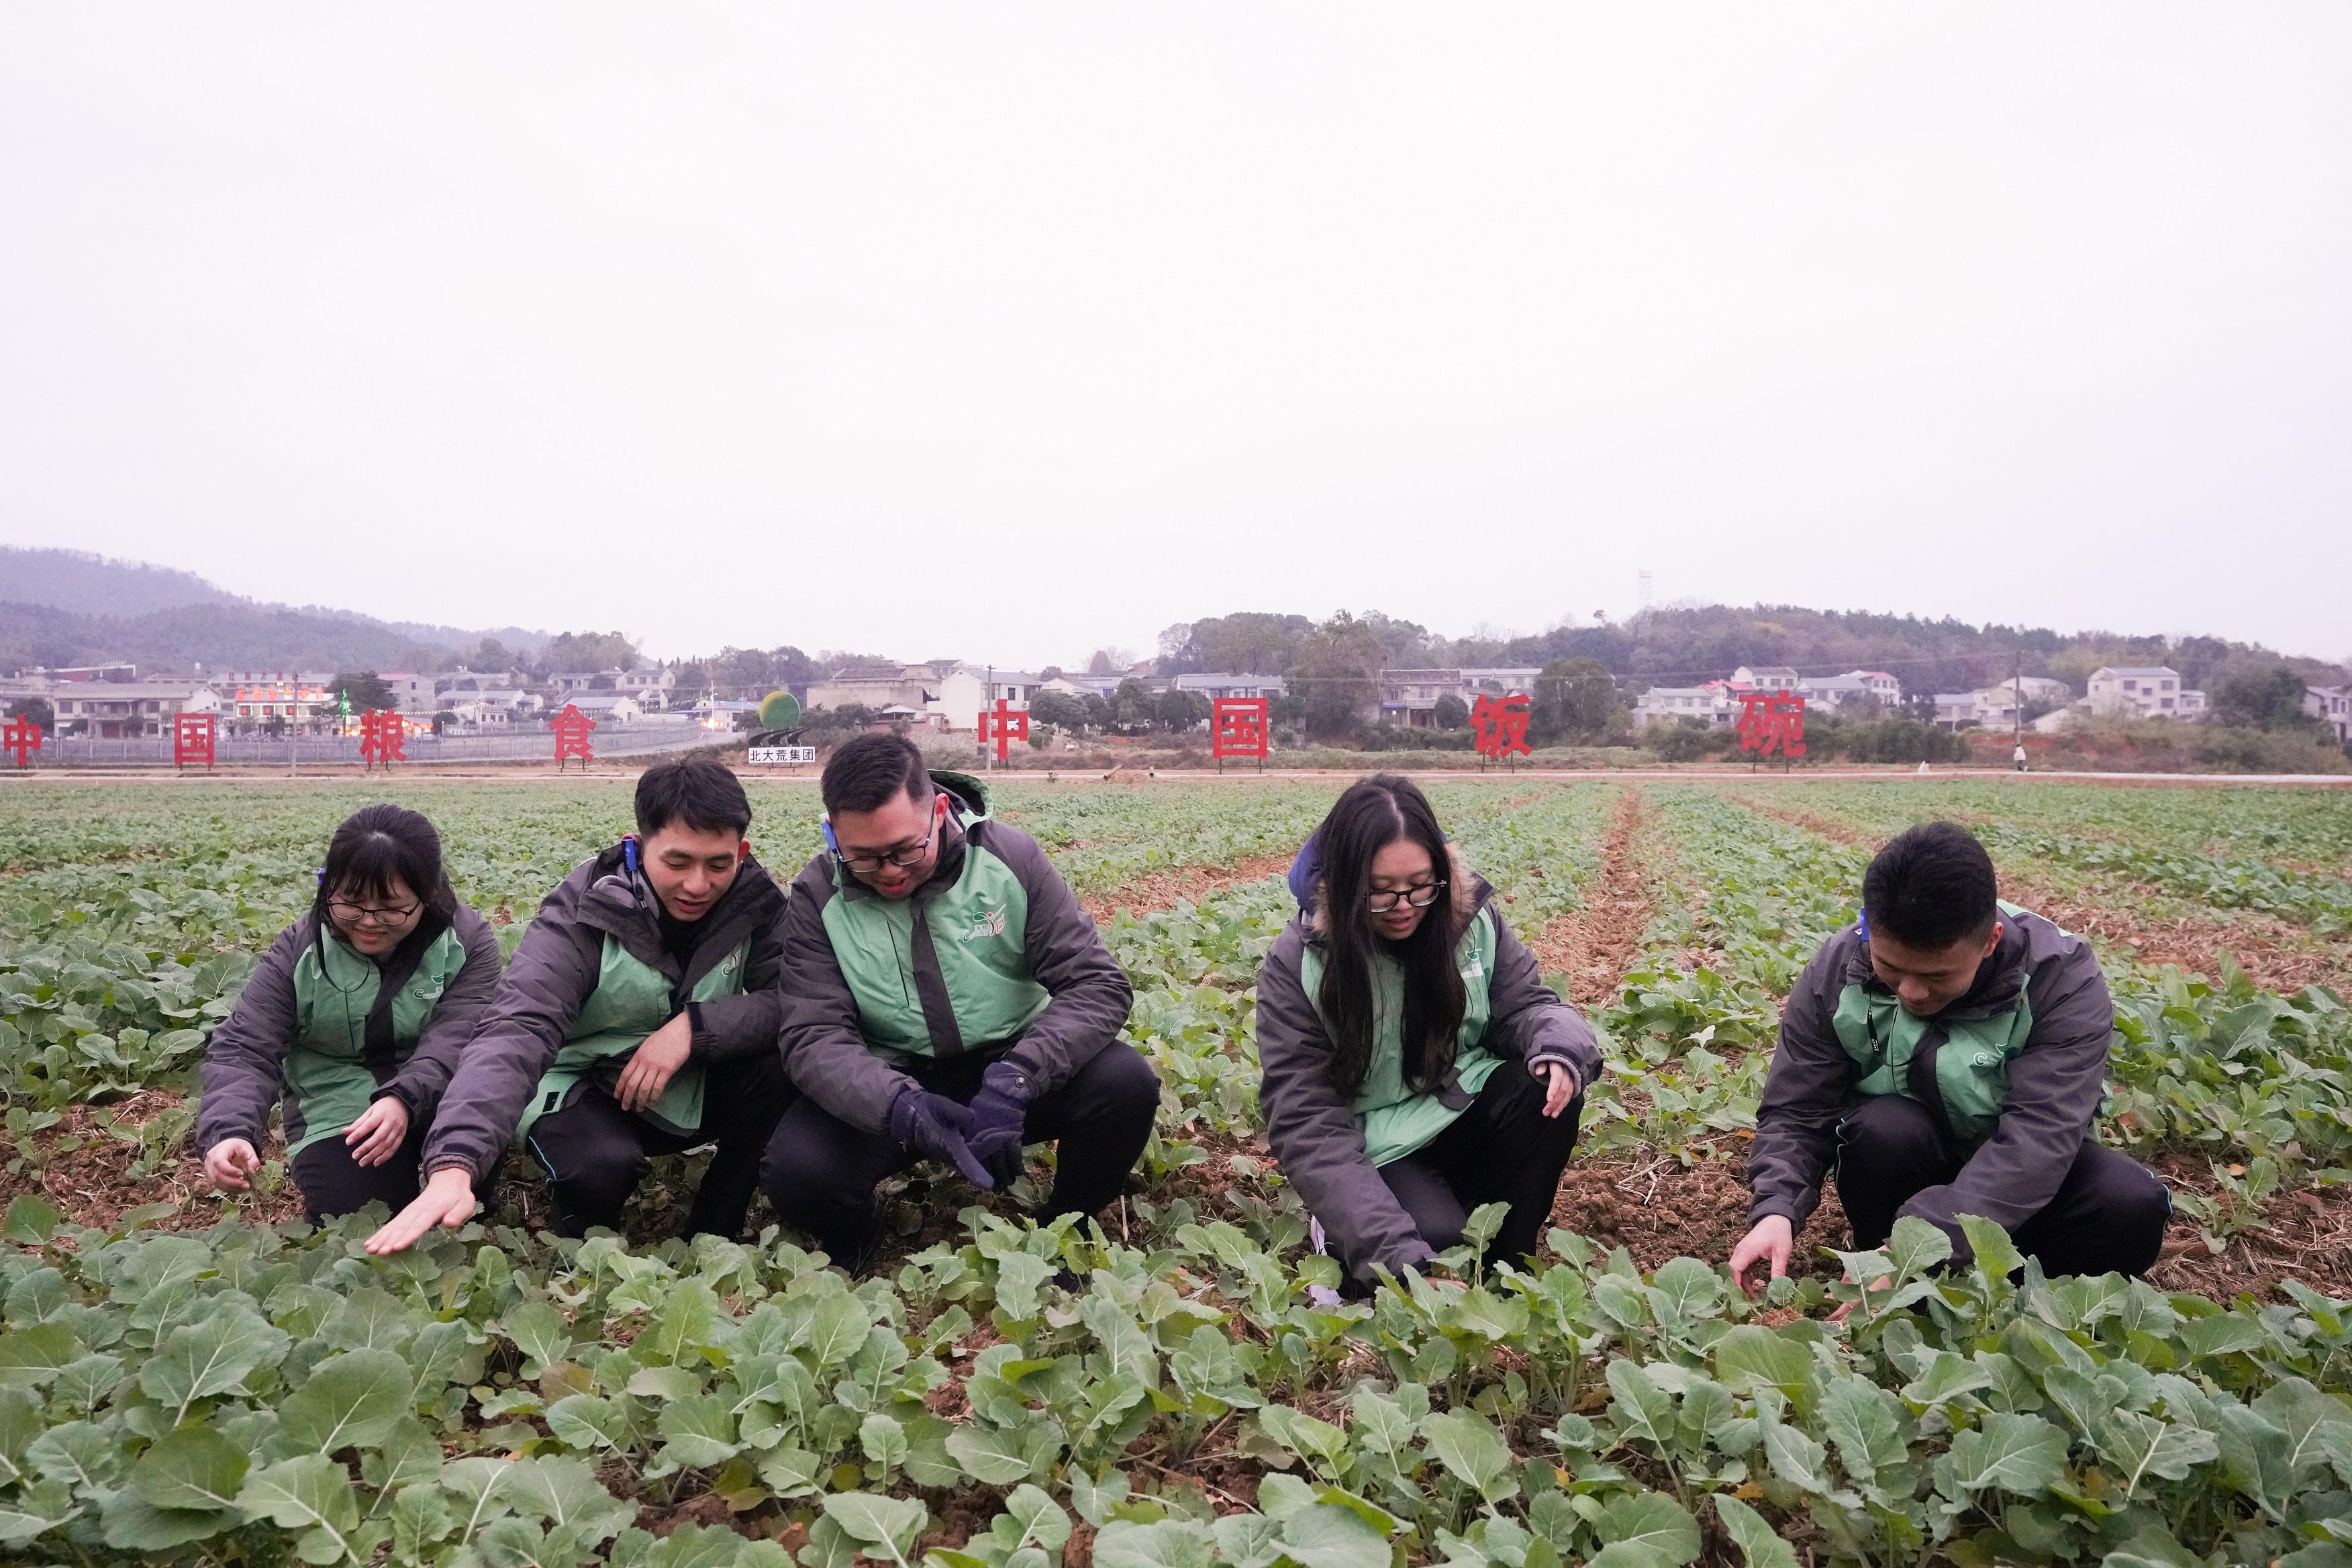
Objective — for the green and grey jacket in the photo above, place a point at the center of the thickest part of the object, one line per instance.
(2015, 1071)
(1330, 1147)
(591, 979)
(991, 956)
(328, 1030)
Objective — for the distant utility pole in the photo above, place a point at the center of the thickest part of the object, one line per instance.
(2017, 692)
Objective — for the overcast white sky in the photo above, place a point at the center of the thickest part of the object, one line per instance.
(1002, 331)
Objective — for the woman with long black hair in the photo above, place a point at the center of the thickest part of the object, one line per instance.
(354, 1018)
(1414, 1064)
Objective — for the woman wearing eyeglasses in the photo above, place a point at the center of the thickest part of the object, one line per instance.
(354, 1018)
(1414, 1064)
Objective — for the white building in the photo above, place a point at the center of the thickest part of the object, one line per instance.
(608, 708)
(1228, 685)
(651, 688)
(1769, 678)
(2331, 705)
(413, 695)
(2145, 691)
(118, 709)
(1712, 704)
(1855, 686)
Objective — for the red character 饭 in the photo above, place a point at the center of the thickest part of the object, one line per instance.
(1501, 724)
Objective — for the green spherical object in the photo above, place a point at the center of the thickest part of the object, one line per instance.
(780, 710)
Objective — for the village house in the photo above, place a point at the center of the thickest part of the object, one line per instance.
(2145, 691)
(1855, 687)
(1712, 704)
(2332, 706)
(121, 709)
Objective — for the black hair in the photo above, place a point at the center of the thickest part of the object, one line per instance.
(380, 844)
(870, 772)
(1371, 814)
(1930, 887)
(701, 792)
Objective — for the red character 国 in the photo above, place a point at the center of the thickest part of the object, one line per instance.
(1237, 727)
(382, 736)
(1771, 721)
(192, 739)
(1500, 724)
(1006, 724)
(571, 726)
(23, 737)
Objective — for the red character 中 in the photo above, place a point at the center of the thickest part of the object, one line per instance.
(23, 737)
(1006, 724)
(1501, 725)
(571, 726)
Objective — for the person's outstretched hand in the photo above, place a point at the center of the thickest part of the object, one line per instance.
(229, 1162)
(999, 1111)
(1770, 1241)
(934, 1125)
(447, 1201)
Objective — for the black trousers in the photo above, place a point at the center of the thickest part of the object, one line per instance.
(2107, 1216)
(334, 1183)
(595, 1153)
(1501, 1149)
(820, 1172)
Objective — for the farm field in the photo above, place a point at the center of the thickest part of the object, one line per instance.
(190, 1379)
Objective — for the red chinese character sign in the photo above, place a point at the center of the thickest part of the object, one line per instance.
(1237, 728)
(22, 736)
(1771, 721)
(383, 734)
(1005, 725)
(571, 726)
(192, 739)
(1500, 724)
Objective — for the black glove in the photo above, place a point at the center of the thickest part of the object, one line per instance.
(934, 1125)
(998, 1112)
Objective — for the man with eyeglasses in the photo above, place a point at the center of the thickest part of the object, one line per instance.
(946, 998)
(638, 1018)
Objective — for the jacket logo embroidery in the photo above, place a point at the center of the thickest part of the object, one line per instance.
(990, 923)
(1475, 968)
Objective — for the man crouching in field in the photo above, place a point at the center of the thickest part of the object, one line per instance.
(1949, 1052)
(946, 997)
(639, 1017)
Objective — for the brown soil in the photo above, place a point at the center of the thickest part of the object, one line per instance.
(1594, 946)
(2304, 1235)
(2276, 956)
(1656, 1209)
(1186, 884)
(83, 1168)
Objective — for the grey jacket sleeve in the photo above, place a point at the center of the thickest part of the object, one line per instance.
(731, 1028)
(425, 1073)
(1314, 1134)
(240, 1077)
(1805, 1092)
(2054, 1087)
(1066, 955)
(824, 1050)
(1527, 1019)
(552, 974)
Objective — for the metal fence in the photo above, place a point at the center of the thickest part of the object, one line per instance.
(531, 743)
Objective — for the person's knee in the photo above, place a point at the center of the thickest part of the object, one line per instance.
(2137, 1208)
(1887, 1130)
(598, 1169)
(804, 1187)
(1122, 1087)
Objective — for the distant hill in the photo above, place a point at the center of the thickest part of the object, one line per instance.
(71, 608)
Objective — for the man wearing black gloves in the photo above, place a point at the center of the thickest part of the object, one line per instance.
(1949, 1052)
(946, 998)
(638, 1017)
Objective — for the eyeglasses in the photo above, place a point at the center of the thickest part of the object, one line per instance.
(1420, 897)
(899, 858)
(359, 914)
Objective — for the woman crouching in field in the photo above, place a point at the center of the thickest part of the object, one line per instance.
(1415, 1066)
(355, 1015)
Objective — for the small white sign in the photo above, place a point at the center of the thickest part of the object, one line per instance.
(785, 756)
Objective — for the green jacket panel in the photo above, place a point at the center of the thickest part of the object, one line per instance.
(632, 999)
(327, 1070)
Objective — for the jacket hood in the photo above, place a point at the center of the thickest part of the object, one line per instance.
(967, 811)
(1466, 893)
